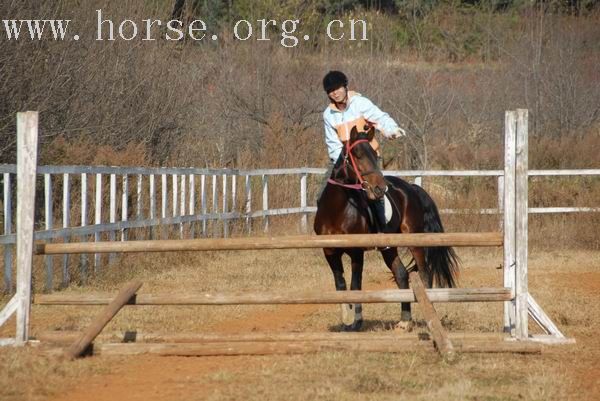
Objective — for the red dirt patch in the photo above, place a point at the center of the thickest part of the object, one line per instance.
(180, 378)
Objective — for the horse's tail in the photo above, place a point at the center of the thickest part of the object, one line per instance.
(441, 261)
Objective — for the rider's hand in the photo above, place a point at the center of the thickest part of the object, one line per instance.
(398, 132)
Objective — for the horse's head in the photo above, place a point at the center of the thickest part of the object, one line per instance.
(362, 160)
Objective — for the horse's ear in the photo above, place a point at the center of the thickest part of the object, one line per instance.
(371, 133)
(353, 134)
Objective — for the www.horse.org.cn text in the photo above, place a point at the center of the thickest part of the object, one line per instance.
(288, 32)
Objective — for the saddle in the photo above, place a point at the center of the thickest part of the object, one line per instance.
(362, 203)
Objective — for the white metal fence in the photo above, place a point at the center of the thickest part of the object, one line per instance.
(129, 198)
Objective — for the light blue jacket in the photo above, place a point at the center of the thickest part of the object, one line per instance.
(359, 110)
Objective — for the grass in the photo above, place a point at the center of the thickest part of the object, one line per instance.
(566, 284)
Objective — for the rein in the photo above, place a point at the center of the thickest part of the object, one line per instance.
(361, 181)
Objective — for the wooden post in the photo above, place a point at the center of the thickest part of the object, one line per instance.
(192, 203)
(138, 198)
(500, 189)
(83, 261)
(98, 217)
(248, 208)
(233, 206)
(203, 202)
(510, 123)
(303, 190)
(124, 204)
(225, 208)
(215, 201)
(182, 202)
(265, 201)
(27, 142)
(66, 212)
(8, 248)
(152, 194)
(440, 337)
(88, 336)
(112, 215)
(521, 194)
(49, 218)
(164, 200)
(174, 194)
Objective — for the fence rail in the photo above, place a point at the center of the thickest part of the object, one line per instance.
(112, 201)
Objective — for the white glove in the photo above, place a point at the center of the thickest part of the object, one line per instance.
(398, 132)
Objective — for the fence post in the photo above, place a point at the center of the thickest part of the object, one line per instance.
(83, 261)
(234, 192)
(48, 224)
(175, 194)
(182, 203)
(304, 218)
(510, 123)
(521, 181)
(265, 201)
(124, 204)
(233, 206)
(152, 194)
(27, 135)
(192, 203)
(164, 200)
(138, 199)
(112, 216)
(8, 248)
(225, 220)
(248, 208)
(215, 207)
(66, 223)
(500, 195)
(98, 218)
(203, 202)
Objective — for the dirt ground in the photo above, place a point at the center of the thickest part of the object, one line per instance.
(566, 284)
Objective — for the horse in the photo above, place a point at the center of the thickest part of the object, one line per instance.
(342, 209)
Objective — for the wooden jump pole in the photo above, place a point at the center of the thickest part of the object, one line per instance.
(302, 347)
(271, 298)
(440, 337)
(284, 242)
(67, 337)
(88, 335)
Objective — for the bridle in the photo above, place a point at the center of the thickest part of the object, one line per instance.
(349, 161)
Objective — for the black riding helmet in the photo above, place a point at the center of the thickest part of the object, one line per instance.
(334, 80)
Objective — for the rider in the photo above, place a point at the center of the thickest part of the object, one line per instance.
(350, 109)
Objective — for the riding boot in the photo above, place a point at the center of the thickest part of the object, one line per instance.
(378, 208)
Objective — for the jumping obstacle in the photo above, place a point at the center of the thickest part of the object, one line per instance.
(517, 300)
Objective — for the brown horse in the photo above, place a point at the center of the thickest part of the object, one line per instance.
(343, 209)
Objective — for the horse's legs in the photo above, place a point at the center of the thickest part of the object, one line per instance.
(357, 258)
(393, 262)
(334, 258)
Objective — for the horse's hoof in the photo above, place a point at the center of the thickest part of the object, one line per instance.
(356, 326)
(404, 326)
(348, 314)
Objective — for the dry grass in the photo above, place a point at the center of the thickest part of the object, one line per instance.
(565, 283)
